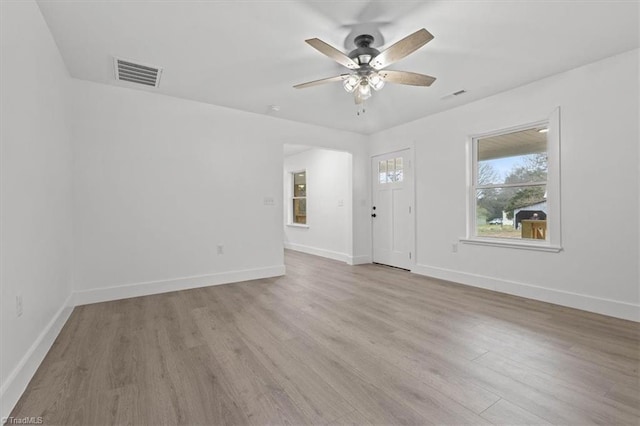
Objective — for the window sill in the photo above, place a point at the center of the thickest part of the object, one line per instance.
(298, 225)
(512, 244)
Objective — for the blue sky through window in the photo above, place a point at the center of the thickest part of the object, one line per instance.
(503, 166)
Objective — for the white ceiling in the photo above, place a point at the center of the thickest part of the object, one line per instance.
(248, 54)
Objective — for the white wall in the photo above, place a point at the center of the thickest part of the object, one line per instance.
(155, 183)
(598, 268)
(35, 216)
(160, 182)
(110, 192)
(328, 203)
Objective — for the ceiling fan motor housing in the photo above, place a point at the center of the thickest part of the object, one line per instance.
(364, 52)
(367, 65)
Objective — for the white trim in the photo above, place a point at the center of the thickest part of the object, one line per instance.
(517, 244)
(298, 225)
(411, 186)
(613, 308)
(17, 381)
(343, 257)
(19, 378)
(554, 241)
(292, 197)
(126, 291)
(413, 208)
(554, 201)
(512, 129)
(359, 260)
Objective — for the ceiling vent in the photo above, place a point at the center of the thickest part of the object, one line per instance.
(454, 94)
(130, 71)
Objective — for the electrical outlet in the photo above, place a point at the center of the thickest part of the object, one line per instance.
(220, 249)
(340, 203)
(19, 305)
(454, 248)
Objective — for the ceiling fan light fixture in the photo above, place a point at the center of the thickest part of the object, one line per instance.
(375, 81)
(368, 65)
(364, 90)
(351, 82)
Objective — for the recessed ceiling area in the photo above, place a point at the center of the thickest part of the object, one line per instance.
(248, 55)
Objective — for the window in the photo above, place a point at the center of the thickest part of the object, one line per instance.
(299, 199)
(514, 189)
(390, 170)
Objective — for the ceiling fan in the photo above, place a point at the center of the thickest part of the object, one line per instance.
(367, 64)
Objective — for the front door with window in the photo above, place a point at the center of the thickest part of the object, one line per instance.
(392, 209)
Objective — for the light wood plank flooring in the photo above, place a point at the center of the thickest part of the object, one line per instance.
(335, 344)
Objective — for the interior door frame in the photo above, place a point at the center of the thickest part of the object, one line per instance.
(412, 193)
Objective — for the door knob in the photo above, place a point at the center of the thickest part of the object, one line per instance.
(373, 215)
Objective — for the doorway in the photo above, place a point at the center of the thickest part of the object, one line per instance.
(317, 197)
(392, 209)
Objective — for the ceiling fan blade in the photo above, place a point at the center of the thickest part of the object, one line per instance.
(333, 53)
(405, 77)
(403, 48)
(321, 81)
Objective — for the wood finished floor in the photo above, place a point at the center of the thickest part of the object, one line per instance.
(334, 344)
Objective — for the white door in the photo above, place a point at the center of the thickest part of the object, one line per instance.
(392, 209)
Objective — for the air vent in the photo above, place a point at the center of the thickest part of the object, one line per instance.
(454, 94)
(130, 71)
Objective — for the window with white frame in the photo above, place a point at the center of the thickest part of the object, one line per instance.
(514, 197)
(391, 170)
(299, 197)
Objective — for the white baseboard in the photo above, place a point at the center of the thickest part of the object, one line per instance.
(612, 308)
(343, 257)
(359, 260)
(107, 294)
(19, 378)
